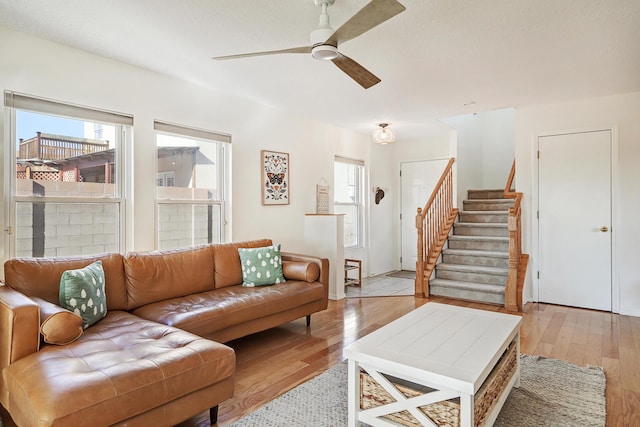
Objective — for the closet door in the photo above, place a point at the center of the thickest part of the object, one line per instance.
(574, 229)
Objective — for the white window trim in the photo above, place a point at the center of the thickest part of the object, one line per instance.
(224, 141)
(359, 204)
(14, 101)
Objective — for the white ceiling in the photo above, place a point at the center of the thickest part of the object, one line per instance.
(433, 58)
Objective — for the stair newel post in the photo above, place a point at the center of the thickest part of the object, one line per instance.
(515, 278)
(419, 283)
(510, 294)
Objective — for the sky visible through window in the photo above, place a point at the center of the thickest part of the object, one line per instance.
(28, 123)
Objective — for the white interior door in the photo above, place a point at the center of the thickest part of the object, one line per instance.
(417, 180)
(574, 226)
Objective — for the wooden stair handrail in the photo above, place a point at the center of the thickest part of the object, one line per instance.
(512, 175)
(433, 223)
(515, 278)
(436, 189)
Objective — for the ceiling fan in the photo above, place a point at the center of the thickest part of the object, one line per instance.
(325, 41)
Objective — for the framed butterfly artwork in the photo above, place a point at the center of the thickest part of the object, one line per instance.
(275, 178)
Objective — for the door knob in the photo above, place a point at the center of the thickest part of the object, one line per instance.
(604, 228)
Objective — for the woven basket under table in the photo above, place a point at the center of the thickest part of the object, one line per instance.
(445, 413)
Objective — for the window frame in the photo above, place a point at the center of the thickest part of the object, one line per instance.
(123, 123)
(358, 203)
(222, 141)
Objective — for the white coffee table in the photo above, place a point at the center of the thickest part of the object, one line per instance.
(447, 348)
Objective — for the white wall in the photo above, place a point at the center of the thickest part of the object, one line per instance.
(383, 233)
(485, 149)
(384, 236)
(498, 154)
(45, 69)
(623, 112)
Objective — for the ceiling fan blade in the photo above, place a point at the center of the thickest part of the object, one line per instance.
(303, 49)
(357, 72)
(370, 16)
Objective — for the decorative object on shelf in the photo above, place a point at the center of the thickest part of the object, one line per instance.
(379, 195)
(322, 197)
(275, 178)
(384, 135)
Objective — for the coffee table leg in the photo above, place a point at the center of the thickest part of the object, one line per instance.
(517, 339)
(353, 393)
(466, 410)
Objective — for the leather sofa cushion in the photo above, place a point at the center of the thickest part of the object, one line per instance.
(206, 313)
(58, 325)
(226, 259)
(156, 276)
(119, 368)
(40, 277)
(301, 270)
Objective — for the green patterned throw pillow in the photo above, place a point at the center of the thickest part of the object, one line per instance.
(261, 266)
(82, 292)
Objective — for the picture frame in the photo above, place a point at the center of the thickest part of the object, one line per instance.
(274, 175)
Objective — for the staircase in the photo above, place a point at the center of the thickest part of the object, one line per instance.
(475, 266)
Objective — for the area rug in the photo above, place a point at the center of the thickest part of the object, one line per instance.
(403, 274)
(551, 393)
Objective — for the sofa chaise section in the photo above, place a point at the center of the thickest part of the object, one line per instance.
(122, 371)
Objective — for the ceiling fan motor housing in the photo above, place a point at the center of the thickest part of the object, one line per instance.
(324, 52)
(319, 36)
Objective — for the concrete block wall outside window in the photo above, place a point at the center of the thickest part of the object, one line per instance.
(66, 229)
(183, 225)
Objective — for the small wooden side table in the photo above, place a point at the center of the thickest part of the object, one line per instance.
(352, 264)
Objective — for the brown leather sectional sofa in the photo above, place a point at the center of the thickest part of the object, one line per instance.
(157, 357)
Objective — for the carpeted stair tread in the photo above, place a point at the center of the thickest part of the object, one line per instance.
(491, 200)
(485, 212)
(467, 286)
(479, 194)
(480, 238)
(481, 224)
(473, 269)
(470, 252)
(487, 204)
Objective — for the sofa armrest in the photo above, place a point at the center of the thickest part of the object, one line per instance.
(20, 320)
(20, 331)
(323, 264)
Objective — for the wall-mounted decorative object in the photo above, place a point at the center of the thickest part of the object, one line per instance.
(379, 195)
(275, 177)
(322, 197)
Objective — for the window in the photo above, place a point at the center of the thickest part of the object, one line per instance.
(67, 186)
(190, 195)
(348, 195)
(166, 179)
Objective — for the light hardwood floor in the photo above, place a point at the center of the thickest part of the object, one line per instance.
(272, 362)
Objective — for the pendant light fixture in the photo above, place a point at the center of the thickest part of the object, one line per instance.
(384, 135)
